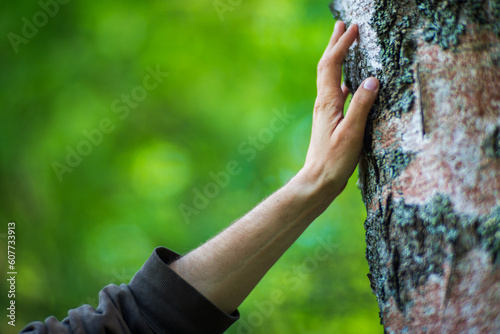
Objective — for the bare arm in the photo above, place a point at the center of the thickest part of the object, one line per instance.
(229, 266)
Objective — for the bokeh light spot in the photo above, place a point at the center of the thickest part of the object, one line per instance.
(117, 247)
(160, 170)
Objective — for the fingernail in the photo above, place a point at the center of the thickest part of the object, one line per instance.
(371, 84)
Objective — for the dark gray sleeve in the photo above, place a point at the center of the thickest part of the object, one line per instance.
(156, 300)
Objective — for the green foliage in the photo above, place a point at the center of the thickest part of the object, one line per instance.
(84, 223)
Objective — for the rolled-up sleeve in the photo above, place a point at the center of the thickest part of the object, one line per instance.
(156, 300)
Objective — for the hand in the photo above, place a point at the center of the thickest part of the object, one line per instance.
(257, 240)
(336, 140)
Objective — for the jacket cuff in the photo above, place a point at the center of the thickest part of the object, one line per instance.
(170, 304)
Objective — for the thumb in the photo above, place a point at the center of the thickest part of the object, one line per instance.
(360, 105)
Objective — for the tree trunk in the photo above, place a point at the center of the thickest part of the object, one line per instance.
(430, 171)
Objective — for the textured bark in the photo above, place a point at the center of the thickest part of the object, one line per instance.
(430, 171)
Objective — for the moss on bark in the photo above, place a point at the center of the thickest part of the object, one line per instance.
(409, 242)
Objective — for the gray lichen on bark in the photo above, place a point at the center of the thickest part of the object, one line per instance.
(422, 242)
(422, 239)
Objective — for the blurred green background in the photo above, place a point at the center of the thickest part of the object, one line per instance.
(97, 224)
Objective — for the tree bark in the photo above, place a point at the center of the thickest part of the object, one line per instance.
(430, 170)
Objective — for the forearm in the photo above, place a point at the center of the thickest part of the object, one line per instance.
(227, 268)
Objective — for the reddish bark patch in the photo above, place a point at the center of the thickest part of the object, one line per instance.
(464, 300)
(456, 110)
(461, 106)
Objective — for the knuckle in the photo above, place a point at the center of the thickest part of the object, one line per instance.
(338, 54)
(335, 58)
(321, 104)
(324, 64)
(361, 101)
(356, 104)
(327, 103)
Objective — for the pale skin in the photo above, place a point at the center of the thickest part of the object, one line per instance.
(228, 267)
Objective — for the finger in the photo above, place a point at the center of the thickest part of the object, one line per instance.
(330, 65)
(345, 91)
(343, 44)
(361, 103)
(338, 30)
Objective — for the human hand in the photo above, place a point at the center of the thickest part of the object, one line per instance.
(336, 140)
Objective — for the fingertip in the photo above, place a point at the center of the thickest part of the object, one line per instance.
(338, 31)
(354, 28)
(371, 84)
(339, 24)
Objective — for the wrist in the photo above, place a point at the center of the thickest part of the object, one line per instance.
(322, 183)
(317, 190)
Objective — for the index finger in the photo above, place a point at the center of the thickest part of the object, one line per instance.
(338, 31)
(330, 65)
